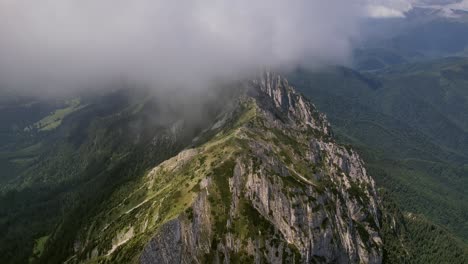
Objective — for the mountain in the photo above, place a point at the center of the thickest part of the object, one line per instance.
(65, 170)
(424, 34)
(253, 174)
(409, 124)
(265, 182)
(411, 238)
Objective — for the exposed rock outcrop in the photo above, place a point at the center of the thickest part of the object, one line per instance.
(289, 195)
(264, 183)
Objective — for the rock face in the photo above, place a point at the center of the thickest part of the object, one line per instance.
(290, 195)
(266, 183)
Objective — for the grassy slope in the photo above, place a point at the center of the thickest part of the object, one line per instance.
(77, 165)
(410, 127)
(79, 132)
(141, 206)
(55, 118)
(145, 203)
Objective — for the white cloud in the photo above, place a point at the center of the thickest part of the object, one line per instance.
(55, 45)
(463, 5)
(388, 8)
(66, 43)
(383, 12)
(445, 8)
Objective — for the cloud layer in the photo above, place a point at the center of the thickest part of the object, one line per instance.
(57, 45)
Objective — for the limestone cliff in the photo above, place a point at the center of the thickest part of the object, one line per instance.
(265, 184)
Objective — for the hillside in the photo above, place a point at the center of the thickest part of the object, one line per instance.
(409, 123)
(264, 183)
(260, 178)
(68, 170)
(422, 35)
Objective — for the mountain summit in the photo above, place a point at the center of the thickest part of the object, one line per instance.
(264, 183)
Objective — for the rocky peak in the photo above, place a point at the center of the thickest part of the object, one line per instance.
(275, 95)
(269, 185)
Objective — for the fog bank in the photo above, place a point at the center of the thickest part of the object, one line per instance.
(52, 46)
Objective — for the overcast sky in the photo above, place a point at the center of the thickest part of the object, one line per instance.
(57, 45)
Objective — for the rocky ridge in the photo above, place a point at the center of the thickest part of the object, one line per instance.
(269, 185)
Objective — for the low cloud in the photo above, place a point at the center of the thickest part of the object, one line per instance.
(388, 8)
(459, 5)
(376, 11)
(63, 45)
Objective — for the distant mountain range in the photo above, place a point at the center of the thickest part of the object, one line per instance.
(423, 34)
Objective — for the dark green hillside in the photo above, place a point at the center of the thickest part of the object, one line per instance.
(73, 171)
(410, 238)
(17, 147)
(409, 122)
(59, 159)
(440, 36)
(368, 59)
(431, 98)
(423, 34)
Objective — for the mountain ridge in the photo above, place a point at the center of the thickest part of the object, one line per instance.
(270, 186)
(259, 178)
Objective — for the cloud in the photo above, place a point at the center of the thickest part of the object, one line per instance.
(55, 45)
(383, 12)
(51, 46)
(445, 8)
(460, 5)
(388, 8)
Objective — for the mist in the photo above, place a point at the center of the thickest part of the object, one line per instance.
(54, 46)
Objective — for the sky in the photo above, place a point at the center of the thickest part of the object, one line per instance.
(52, 46)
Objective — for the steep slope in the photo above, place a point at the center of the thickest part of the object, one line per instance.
(266, 184)
(409, 124)
(66, 171)
(411, 238)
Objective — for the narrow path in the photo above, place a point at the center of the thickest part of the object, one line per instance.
(303, 178)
